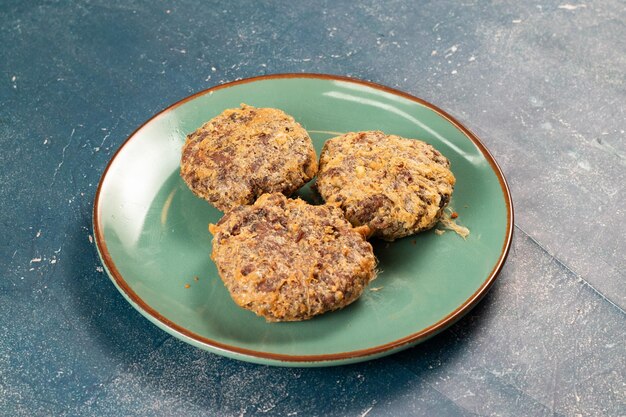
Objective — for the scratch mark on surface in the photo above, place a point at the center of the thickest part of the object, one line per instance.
(568, 6)
(451, 50)
(603, 146)
(56, 171)
(555, 371)
(366, 412)
(574, 273)
(102, 143)
(299, 59)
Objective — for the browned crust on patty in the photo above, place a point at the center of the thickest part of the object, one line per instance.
(242, 153)
(287, 260)
(394, 185)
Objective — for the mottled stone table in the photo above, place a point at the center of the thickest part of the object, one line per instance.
(543, 85)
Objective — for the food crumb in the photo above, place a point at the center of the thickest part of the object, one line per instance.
(187, 285)
(454, 215)
(448, 222)
(439, 232)
(196, 278)
(376, 289)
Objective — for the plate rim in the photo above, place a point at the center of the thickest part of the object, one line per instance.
(345, 357)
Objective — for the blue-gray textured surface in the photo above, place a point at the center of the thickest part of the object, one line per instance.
(542, 84)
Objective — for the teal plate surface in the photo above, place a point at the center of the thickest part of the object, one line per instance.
(151, 231)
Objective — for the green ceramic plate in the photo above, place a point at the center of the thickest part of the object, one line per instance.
(151, 231)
